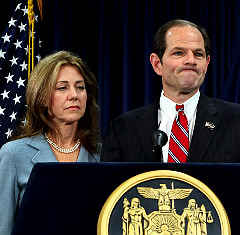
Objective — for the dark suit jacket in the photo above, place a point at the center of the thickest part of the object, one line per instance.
(130, 136)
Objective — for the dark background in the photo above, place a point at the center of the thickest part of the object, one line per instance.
(115, 39)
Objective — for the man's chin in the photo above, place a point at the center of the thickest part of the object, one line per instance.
(189, 90)
(191, 85)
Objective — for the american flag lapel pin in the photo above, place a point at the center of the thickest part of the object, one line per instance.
(210, 125)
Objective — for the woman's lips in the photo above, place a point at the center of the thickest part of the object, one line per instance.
(73, 107)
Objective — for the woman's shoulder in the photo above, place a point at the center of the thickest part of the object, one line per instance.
(20, 144)
(19, 151)
(15, 143)
(11, 151)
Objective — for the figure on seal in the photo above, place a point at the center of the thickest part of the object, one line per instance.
(135, 219)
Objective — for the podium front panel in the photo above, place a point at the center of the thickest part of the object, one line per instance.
(66, 198)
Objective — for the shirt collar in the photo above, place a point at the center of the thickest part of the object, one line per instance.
(190, 105)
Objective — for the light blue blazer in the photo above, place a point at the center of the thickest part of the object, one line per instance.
(17, 159)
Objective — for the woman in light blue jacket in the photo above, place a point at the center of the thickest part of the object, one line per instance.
(62, 125)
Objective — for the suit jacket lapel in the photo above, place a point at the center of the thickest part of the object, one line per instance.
(43, 152)
(206, 124)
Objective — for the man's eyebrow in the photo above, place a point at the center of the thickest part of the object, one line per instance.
(178, 48)
(183, 48)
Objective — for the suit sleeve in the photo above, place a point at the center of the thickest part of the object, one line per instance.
(8, 191)
(111, 149)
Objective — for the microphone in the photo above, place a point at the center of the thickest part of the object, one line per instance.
(159, 139)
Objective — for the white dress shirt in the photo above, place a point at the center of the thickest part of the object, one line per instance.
(167, 113)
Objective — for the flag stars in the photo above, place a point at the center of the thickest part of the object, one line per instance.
(26, 49)
(17, 99)
(24, 122)
(13, 116)
(5, 94)
(9, 78)
(18, 44)
(6, 38)
(22, 27)
(40, 43)
(13, 67)
(2, 110)
(38, 58)
(11, 22)
(18, 7)
(23, 66)
(25, 10)
(9, 133)
(13, 60)
(2, 54)
(20, 82)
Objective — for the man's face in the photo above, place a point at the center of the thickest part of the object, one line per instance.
(184, 62)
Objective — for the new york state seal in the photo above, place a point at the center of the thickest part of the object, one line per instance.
(163, 202)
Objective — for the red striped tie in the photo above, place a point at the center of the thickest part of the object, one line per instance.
(179, 141)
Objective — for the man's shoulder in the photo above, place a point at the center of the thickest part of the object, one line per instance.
(220, 104)
(226, 111)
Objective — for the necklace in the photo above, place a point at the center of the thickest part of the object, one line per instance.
(60, 149)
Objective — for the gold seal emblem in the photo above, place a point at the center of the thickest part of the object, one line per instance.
(163, 202)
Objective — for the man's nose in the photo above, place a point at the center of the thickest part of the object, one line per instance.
(190, 58)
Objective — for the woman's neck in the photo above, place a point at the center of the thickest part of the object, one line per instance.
(66, 136)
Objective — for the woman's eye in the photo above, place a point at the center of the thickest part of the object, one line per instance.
(61, 88)
(81, 87)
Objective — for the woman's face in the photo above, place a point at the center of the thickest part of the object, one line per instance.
(68, 100)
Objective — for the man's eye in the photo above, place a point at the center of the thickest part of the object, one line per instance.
(178, 53)
(199, 54)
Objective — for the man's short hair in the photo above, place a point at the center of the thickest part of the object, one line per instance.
(159, 42)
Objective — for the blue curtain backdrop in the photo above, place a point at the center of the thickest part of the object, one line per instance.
(115, 38)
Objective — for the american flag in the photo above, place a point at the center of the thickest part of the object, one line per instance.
(14, 68)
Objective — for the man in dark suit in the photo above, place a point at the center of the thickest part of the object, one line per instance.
(181, 54)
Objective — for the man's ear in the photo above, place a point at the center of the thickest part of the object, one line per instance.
(156, 64)
(208, 61)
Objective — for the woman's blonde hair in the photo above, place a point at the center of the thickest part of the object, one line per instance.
(41, 84)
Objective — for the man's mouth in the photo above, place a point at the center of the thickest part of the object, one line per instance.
(189, 69)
